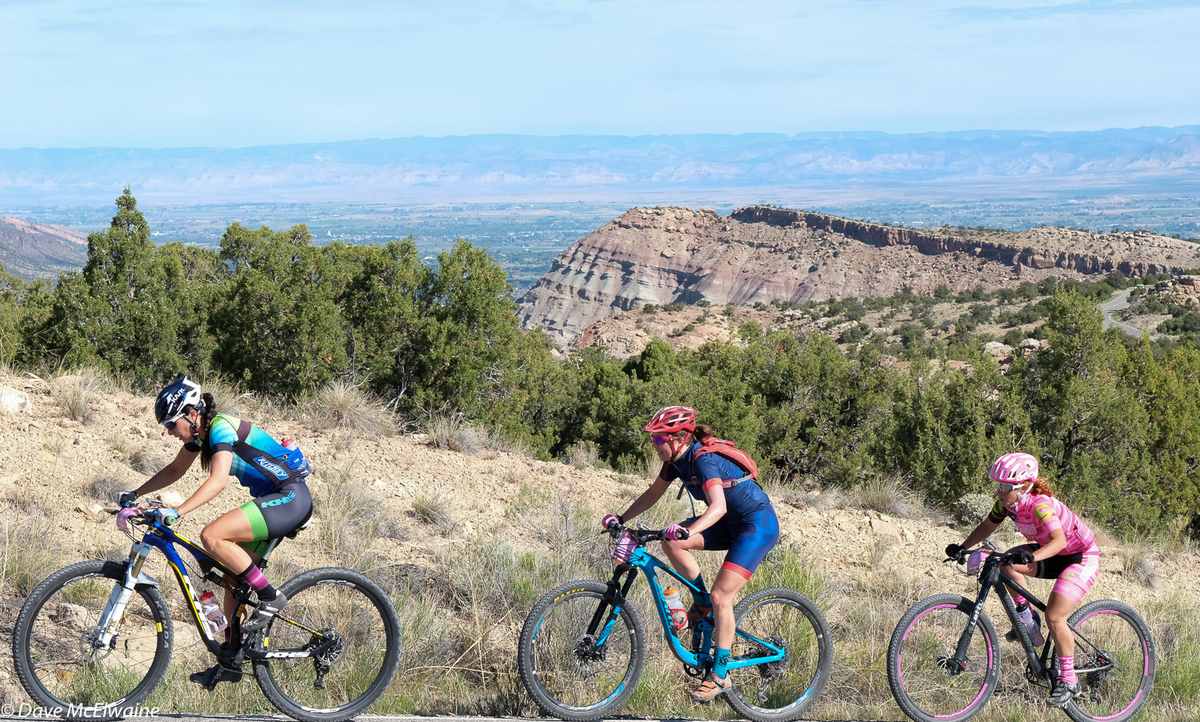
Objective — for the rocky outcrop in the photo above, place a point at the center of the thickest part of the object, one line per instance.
(34, 251)
(762, 253)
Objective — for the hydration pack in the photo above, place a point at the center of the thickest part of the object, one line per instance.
(730, 451)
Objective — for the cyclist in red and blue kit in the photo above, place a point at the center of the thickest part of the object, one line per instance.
(739, 519)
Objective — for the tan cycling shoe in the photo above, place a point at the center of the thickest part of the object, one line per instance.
(711, 688)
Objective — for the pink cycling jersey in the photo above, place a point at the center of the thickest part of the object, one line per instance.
(1037, 515)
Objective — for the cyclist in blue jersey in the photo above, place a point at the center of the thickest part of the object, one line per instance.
(275, 475)
(739, 518)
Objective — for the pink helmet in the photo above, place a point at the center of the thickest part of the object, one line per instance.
(1014, 468)
(672, 419)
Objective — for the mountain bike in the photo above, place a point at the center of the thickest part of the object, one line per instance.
(583, 647)
(95, 638)
(943, 661)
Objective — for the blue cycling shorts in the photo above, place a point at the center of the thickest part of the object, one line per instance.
(748, 539)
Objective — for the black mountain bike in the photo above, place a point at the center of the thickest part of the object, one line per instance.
(95, 638)
(583, 647)
(943, 661)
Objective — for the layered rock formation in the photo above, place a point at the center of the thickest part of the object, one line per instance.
(33, 251)
(760, 254)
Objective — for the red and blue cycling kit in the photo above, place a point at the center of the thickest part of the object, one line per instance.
(749, 529)
(1036, 516)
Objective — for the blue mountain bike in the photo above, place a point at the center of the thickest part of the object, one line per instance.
(95, 638)
(583, 647)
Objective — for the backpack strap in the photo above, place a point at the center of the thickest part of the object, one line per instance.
(729, 450)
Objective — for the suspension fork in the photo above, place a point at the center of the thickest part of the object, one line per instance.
(110, 618)
(613, 599)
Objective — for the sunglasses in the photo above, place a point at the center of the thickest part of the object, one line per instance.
(660, 440)
(170, 425)
(1004, 488)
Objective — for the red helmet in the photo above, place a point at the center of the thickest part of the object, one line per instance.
(672, 419)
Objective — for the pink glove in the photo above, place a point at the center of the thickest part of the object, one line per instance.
(123, 517)
(676, 533)
(608, 520)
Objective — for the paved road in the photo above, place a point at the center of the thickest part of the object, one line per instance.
(1118, 302)
(28, 717)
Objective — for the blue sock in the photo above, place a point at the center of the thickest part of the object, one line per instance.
(702, 599)
(721, 658)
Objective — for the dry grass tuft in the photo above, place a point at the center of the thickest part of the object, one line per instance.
(1137, 566)
(143, 460)
(435, 508)
(352, 519)
(828, 499)
(451, 433)
(104, 488)
(27, 550)
(888, 495)
(583, 455)
(75, 394)
(344, 405)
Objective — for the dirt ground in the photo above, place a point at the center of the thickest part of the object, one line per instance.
(48, 457)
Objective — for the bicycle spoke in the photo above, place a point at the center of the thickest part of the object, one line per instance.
(567, 671)
(353, 629)
(57, 660)
(921, 669)
(1122, 662)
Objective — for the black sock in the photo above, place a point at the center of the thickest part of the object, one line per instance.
(267, 594)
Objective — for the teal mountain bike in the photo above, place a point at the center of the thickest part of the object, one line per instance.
(583, 647)
(95, 638)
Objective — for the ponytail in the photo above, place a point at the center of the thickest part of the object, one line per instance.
(1041, 487)
(208, 410)
(703, 433)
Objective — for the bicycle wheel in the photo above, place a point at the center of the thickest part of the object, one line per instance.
(347, 679)
(784, 690)
(60, 667)
(925, 638)
(565, 672)
(1123, 638)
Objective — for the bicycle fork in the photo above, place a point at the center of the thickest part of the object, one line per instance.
(614, 599)
(110, 619)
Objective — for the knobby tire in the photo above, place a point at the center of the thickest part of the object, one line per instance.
(57, 665)
(565, 673)
(924, 688)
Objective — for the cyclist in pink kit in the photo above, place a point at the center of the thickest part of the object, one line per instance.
(1062, 548)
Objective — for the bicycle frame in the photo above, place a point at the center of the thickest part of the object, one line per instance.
(163, 538)
(649, 565)
(993, 577)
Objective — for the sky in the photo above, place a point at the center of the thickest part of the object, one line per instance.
(237, 73)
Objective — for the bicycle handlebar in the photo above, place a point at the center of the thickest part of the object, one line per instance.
(641, 533)
(1000, 557)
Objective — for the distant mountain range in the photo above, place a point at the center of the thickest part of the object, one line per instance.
(485, 167)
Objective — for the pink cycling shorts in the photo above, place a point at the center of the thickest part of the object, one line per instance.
(1078, 578)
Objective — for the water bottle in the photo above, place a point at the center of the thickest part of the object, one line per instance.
(679, 618)
(212, 610)
(1032, 626)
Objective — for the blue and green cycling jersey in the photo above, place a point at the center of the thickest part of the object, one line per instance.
(260, 463)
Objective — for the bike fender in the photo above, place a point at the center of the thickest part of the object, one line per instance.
(145, 580)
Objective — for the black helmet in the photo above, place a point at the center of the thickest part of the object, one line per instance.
(176, 399)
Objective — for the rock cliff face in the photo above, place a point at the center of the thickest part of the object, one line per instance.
(33, 251)
(673, 255)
